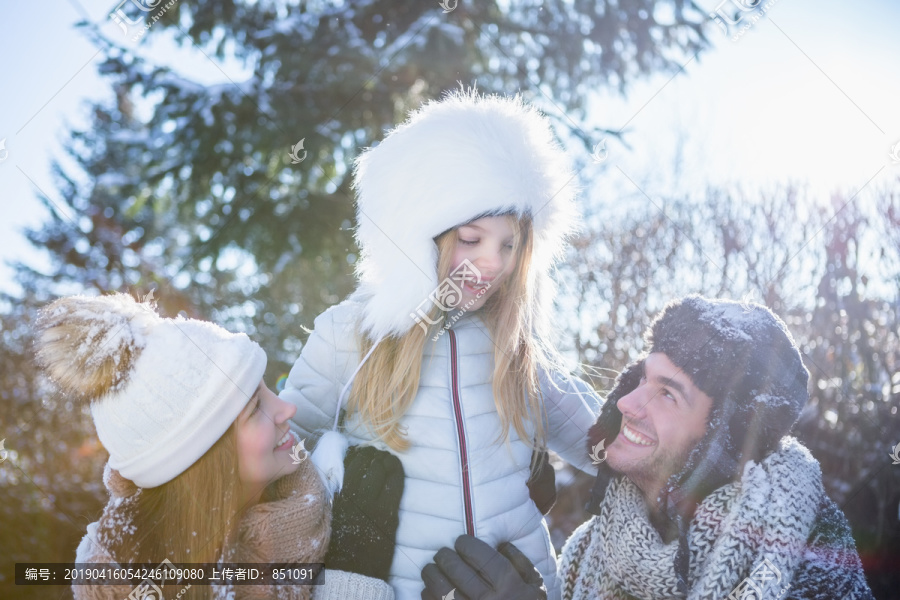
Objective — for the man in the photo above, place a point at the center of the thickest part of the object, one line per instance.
(702, 495)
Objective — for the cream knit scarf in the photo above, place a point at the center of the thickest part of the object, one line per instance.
(767, 515)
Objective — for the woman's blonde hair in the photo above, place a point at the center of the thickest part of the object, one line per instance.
(388, 381)
(191, 519)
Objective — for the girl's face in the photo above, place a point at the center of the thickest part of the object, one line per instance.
(487, 243)
(264, 440)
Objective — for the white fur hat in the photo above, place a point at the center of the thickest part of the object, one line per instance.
(162, 391)
(452, 161)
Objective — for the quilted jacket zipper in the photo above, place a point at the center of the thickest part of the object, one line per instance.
(461, 434)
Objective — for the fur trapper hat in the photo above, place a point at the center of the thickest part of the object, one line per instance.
(743, 357)
(161, 391)
(464, 157)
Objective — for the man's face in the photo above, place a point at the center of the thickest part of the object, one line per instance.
(662, 420)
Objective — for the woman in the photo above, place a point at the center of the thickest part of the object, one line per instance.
(201, 467)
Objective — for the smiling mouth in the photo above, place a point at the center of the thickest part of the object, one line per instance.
(636, 438)
(287, 437)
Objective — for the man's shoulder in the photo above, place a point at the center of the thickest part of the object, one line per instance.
(831, 526)
(830, 562)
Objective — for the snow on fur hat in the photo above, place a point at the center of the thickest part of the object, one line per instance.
(455, 160)
(743, 357)
(161, 391)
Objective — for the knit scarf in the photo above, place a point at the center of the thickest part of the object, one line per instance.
(756, 526)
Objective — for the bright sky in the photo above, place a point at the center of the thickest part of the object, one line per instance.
(809, 94)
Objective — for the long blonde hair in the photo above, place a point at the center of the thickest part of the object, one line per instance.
(191, 519)
(388, 381)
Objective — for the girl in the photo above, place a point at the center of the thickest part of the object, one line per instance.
(200, 468)
(442, 351)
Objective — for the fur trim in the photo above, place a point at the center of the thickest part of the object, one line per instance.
(118, 486)
(455, 160)
(328, 457)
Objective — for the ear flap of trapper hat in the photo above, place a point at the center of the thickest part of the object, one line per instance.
(709, 466)
(607, 426)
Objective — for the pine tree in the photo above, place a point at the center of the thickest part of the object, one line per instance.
(200, 199)
(258, 241)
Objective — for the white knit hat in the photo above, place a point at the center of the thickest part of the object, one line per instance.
(455, 160)
(162, 391)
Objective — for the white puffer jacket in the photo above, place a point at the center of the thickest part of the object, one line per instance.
(458, 478)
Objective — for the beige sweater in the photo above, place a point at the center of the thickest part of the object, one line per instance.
(291, 525)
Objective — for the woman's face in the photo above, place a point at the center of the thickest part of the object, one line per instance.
(488, 244)
(264, 440)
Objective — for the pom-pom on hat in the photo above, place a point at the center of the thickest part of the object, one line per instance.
(455, 160)
(161, 391)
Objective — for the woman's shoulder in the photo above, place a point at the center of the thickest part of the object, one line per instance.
(89, 551)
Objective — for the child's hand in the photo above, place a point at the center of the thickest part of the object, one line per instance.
(542, 484)
(366, 513)
(478, 572)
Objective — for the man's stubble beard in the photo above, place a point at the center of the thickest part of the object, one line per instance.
(651, 473)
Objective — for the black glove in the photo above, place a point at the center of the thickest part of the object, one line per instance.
(542, 484)
(366, 513)
(478, 572)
